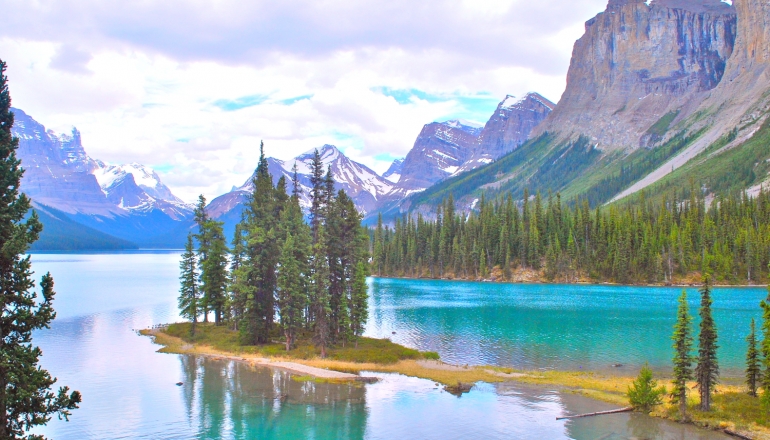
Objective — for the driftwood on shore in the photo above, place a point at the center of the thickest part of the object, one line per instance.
(600, 413)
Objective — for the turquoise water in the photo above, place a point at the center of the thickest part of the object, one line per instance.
(564, 327)
(129, 390)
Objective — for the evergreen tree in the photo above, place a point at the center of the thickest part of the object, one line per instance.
(320, 293)
(189, 294)
(214, 274)
(766, 349)
(292, 293)
(683, 359)
(753, 366)
(26, 399)
(707, 370)
(201, 218)
(359, 311)
(644, 394)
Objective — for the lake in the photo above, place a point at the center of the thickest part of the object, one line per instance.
(130, 391)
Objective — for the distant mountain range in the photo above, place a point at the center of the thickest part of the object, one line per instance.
(660, 96)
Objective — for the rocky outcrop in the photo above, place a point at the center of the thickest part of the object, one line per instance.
(508, 128)
(394, 171)
(439, 152)
(638, 63)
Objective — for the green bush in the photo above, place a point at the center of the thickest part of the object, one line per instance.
(644, 394)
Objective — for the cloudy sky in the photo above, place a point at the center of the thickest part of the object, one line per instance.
(190, 87)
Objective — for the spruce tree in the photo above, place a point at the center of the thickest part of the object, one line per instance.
(214, 274)
(189, 294)
(683, 359)
(707, 370)
(753, 366)
(359, 311)
(201, 218)
(766, 349)
(292, 293)
(320, 293)
(26, 398)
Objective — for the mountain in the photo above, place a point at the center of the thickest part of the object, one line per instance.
(126, 205)
(363, 185)
(439, 151)
(394, 172)
(661, 96)
(508, 128)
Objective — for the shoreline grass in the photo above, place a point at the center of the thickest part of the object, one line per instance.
(734, 409)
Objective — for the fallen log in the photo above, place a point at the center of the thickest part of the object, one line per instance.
(737, 435)
(601, 413)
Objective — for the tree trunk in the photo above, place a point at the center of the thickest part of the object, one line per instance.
(600, 413)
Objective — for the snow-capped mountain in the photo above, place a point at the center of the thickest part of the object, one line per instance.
(439, 151)
(394, 172)
(129, 202)
(363, 185)
(137, 187)
(508, 128)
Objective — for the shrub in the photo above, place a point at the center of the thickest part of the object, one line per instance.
(645, 394)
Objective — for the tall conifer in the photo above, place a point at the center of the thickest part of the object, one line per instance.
(753, 366)
(683, 359)
(214, 274)
(707, 370)
(189, 293)
(26, 398)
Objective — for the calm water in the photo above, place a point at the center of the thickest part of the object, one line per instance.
(129, 390)
(553, 326)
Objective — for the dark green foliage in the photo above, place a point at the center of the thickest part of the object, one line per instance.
(766, 350)
(660, 128)
(189, 293)
(644, 394)
(26, 399)
(753, 364)
(60, 233)
(683, 359)
(214, 270)
(311, 277)
(651, 242)
(707, 370)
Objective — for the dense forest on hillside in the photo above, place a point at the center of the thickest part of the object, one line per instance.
(662, 241)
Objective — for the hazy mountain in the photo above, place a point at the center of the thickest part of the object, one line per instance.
(394, 172)
(126, 202)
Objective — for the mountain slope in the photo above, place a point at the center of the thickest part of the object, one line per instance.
(672, 86)
(60, 176)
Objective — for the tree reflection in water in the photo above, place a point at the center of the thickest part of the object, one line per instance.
(229, 399)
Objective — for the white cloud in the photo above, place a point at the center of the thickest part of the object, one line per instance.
(152, 81)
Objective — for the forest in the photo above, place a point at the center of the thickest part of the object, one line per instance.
(281, 277)
(666, 241)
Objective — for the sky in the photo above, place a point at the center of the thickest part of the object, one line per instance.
(191, 87)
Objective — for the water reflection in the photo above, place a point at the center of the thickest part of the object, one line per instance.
(228, 399)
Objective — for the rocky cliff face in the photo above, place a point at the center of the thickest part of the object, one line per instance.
(439, 152)
(508, 128)
(57, 171)
(637, 63)
(394, 171)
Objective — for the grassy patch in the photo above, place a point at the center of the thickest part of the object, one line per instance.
(660, 128)
(369, 350)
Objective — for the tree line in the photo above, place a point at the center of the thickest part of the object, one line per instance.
(642, 242)
(282, 275)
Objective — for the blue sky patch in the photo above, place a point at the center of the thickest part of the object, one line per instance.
(478, 107)
(296, 99)
(231, 105)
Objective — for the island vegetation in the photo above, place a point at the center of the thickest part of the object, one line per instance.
(671, 241)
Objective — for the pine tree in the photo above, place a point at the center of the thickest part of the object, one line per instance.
(359, 311)
(753, 367)
(201, 219)
(683, 360)
(189, 294)
(320, 293)
(644, 394)
(707, 370)
(214, 274)
(766, 349)
(292, 293)
(26, 399)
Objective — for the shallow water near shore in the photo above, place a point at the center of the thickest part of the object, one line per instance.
(130, 390)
